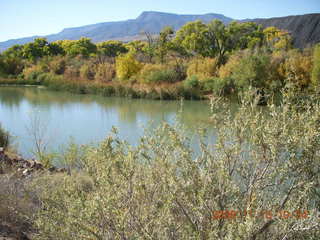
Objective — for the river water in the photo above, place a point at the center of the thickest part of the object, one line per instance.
(58, 117)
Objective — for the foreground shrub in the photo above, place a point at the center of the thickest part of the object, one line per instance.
(17, 206)
(262, 164)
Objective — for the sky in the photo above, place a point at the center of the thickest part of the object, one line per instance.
(24, 18)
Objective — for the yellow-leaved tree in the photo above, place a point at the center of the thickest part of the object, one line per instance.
(127, 66)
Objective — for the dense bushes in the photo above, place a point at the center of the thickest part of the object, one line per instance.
(252, 70)
(224, 60)
(157, 73)
(159, 190)
(105, 72)
(203, 68)
(297, 68)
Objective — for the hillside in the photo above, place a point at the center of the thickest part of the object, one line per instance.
(151, 22)
(305, 29)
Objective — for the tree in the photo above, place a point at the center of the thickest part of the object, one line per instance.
(11, 61)
(36, 49)
(83, 47)
(275, 39)
(244, 35)
(127, 66)
(218, 39)
(164, 43)
(192, 37)
(111, 48)
(316, 66)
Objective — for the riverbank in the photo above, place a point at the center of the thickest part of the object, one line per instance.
(160, 92)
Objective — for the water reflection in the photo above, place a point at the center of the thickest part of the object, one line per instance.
(89, 118)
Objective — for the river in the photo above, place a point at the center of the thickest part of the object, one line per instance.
(60, 117)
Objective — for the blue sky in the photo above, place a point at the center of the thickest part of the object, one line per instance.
(22, 18)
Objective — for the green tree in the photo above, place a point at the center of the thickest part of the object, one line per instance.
(164, 43)
(83, 47)
(36, 49)
(111, 48)
(218, 40)
(244, 35)
(193, 38)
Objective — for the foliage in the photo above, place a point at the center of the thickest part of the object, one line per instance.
(156, 73)
(105, 72)
(226, 58)
(111, 48)
(192, 38)
(203, 68)
(127, 66)
(219, 86)
(297, 68)
(316, 66)
(191, 82)
(252, 70)
(244, 35)
(263, 164)
(277, 39)
(83, 47)
(87, 72)
(58, 65)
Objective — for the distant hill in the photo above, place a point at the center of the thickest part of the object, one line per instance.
(305, 29)
(151, 22)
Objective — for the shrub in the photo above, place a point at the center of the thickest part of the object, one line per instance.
(262, 163)
(219, 86)
(86, 72)
(17, 207)
(105, 72)
(191, 82)
(226, 70)
(297, 68)
(32, 73)
(147, 70)
(58, 65)
(127, 66)
(252, 71)
(156, 73)
(203, 68)
(316, 66)
(71, 72)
